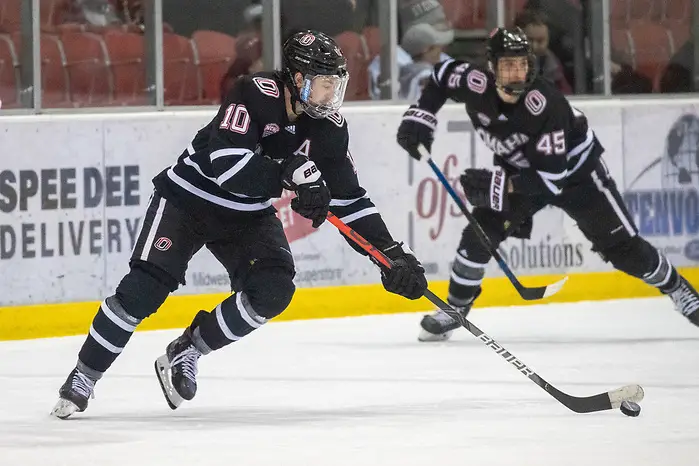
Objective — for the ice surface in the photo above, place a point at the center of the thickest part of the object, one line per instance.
(363, 391)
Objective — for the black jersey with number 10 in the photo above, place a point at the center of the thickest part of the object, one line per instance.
(232, 168)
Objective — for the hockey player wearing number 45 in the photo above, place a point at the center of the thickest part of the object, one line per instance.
(275, 130)
(544, 154)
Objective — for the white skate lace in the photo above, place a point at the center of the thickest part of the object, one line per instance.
(83, 385)
(685, 301)
(188, 358)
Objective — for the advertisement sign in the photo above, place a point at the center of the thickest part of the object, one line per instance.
(662, 178)
(73, 190)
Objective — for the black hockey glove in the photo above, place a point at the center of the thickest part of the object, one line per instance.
(486, 188)
(406, 277)
(416, 128)
(312, 199)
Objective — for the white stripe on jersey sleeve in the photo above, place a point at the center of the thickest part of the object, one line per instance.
(231, 172)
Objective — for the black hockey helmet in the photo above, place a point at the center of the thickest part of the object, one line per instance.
(324, 69)
(511, 42)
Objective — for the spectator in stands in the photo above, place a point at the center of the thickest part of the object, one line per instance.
(187, 16)
(132, 11)
(253, 18)
(248, 60)
(91, 13)
(564, 19)
(425, 45)
(133, 15)
(679, 74)
(366, 13)
(99, 15)
(533, 23)
(248, 48)
(565, 22)
(329, 16)
(411, 13)
(252, 28)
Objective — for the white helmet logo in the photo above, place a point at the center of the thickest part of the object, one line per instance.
(307, 39)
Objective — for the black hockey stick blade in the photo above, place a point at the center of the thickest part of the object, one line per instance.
(589, 404)
(527, 293)
(538, 292)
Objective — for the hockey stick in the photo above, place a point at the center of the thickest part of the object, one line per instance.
(528, 293)
(588, 404)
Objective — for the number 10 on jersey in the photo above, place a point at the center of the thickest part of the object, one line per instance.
(236, 119)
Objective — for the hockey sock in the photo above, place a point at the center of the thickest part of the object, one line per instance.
(230, 321)
(465, 280)
(664, 276)
(111, 329)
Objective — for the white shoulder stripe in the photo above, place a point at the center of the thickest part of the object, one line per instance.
(440, 74)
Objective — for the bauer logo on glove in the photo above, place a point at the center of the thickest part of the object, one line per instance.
(497, 189)
(416, 128)
(485, 188)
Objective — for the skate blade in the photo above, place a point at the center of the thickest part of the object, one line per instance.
(64, 409)
(162, 370)
(426, 336)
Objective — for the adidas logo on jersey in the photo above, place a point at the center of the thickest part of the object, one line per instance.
(291, 129)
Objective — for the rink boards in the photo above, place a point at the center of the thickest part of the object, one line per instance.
(73, 189)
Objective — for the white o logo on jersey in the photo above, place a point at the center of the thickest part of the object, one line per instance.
(266, 86)
(336, 118)
(477, 81)
(163, 243)
(535, 102)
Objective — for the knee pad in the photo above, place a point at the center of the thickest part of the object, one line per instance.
(635, 256)
(144, 289)
(269, 288)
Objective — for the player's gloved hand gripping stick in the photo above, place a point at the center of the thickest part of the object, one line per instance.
(528, 293)
(603, 401)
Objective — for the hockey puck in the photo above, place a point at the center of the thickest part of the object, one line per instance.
(630, 408)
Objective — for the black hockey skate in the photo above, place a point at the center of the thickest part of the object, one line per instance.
(74, 394)
(177, 370)
(686, 301)
(438, 326)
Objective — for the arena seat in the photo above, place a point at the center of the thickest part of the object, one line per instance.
(214, 53)
(126, 62)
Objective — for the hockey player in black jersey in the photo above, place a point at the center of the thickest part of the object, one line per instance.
(544, 154)
(274, 130)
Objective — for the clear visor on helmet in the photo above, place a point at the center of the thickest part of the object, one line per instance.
(322, 95)
(514, 73)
